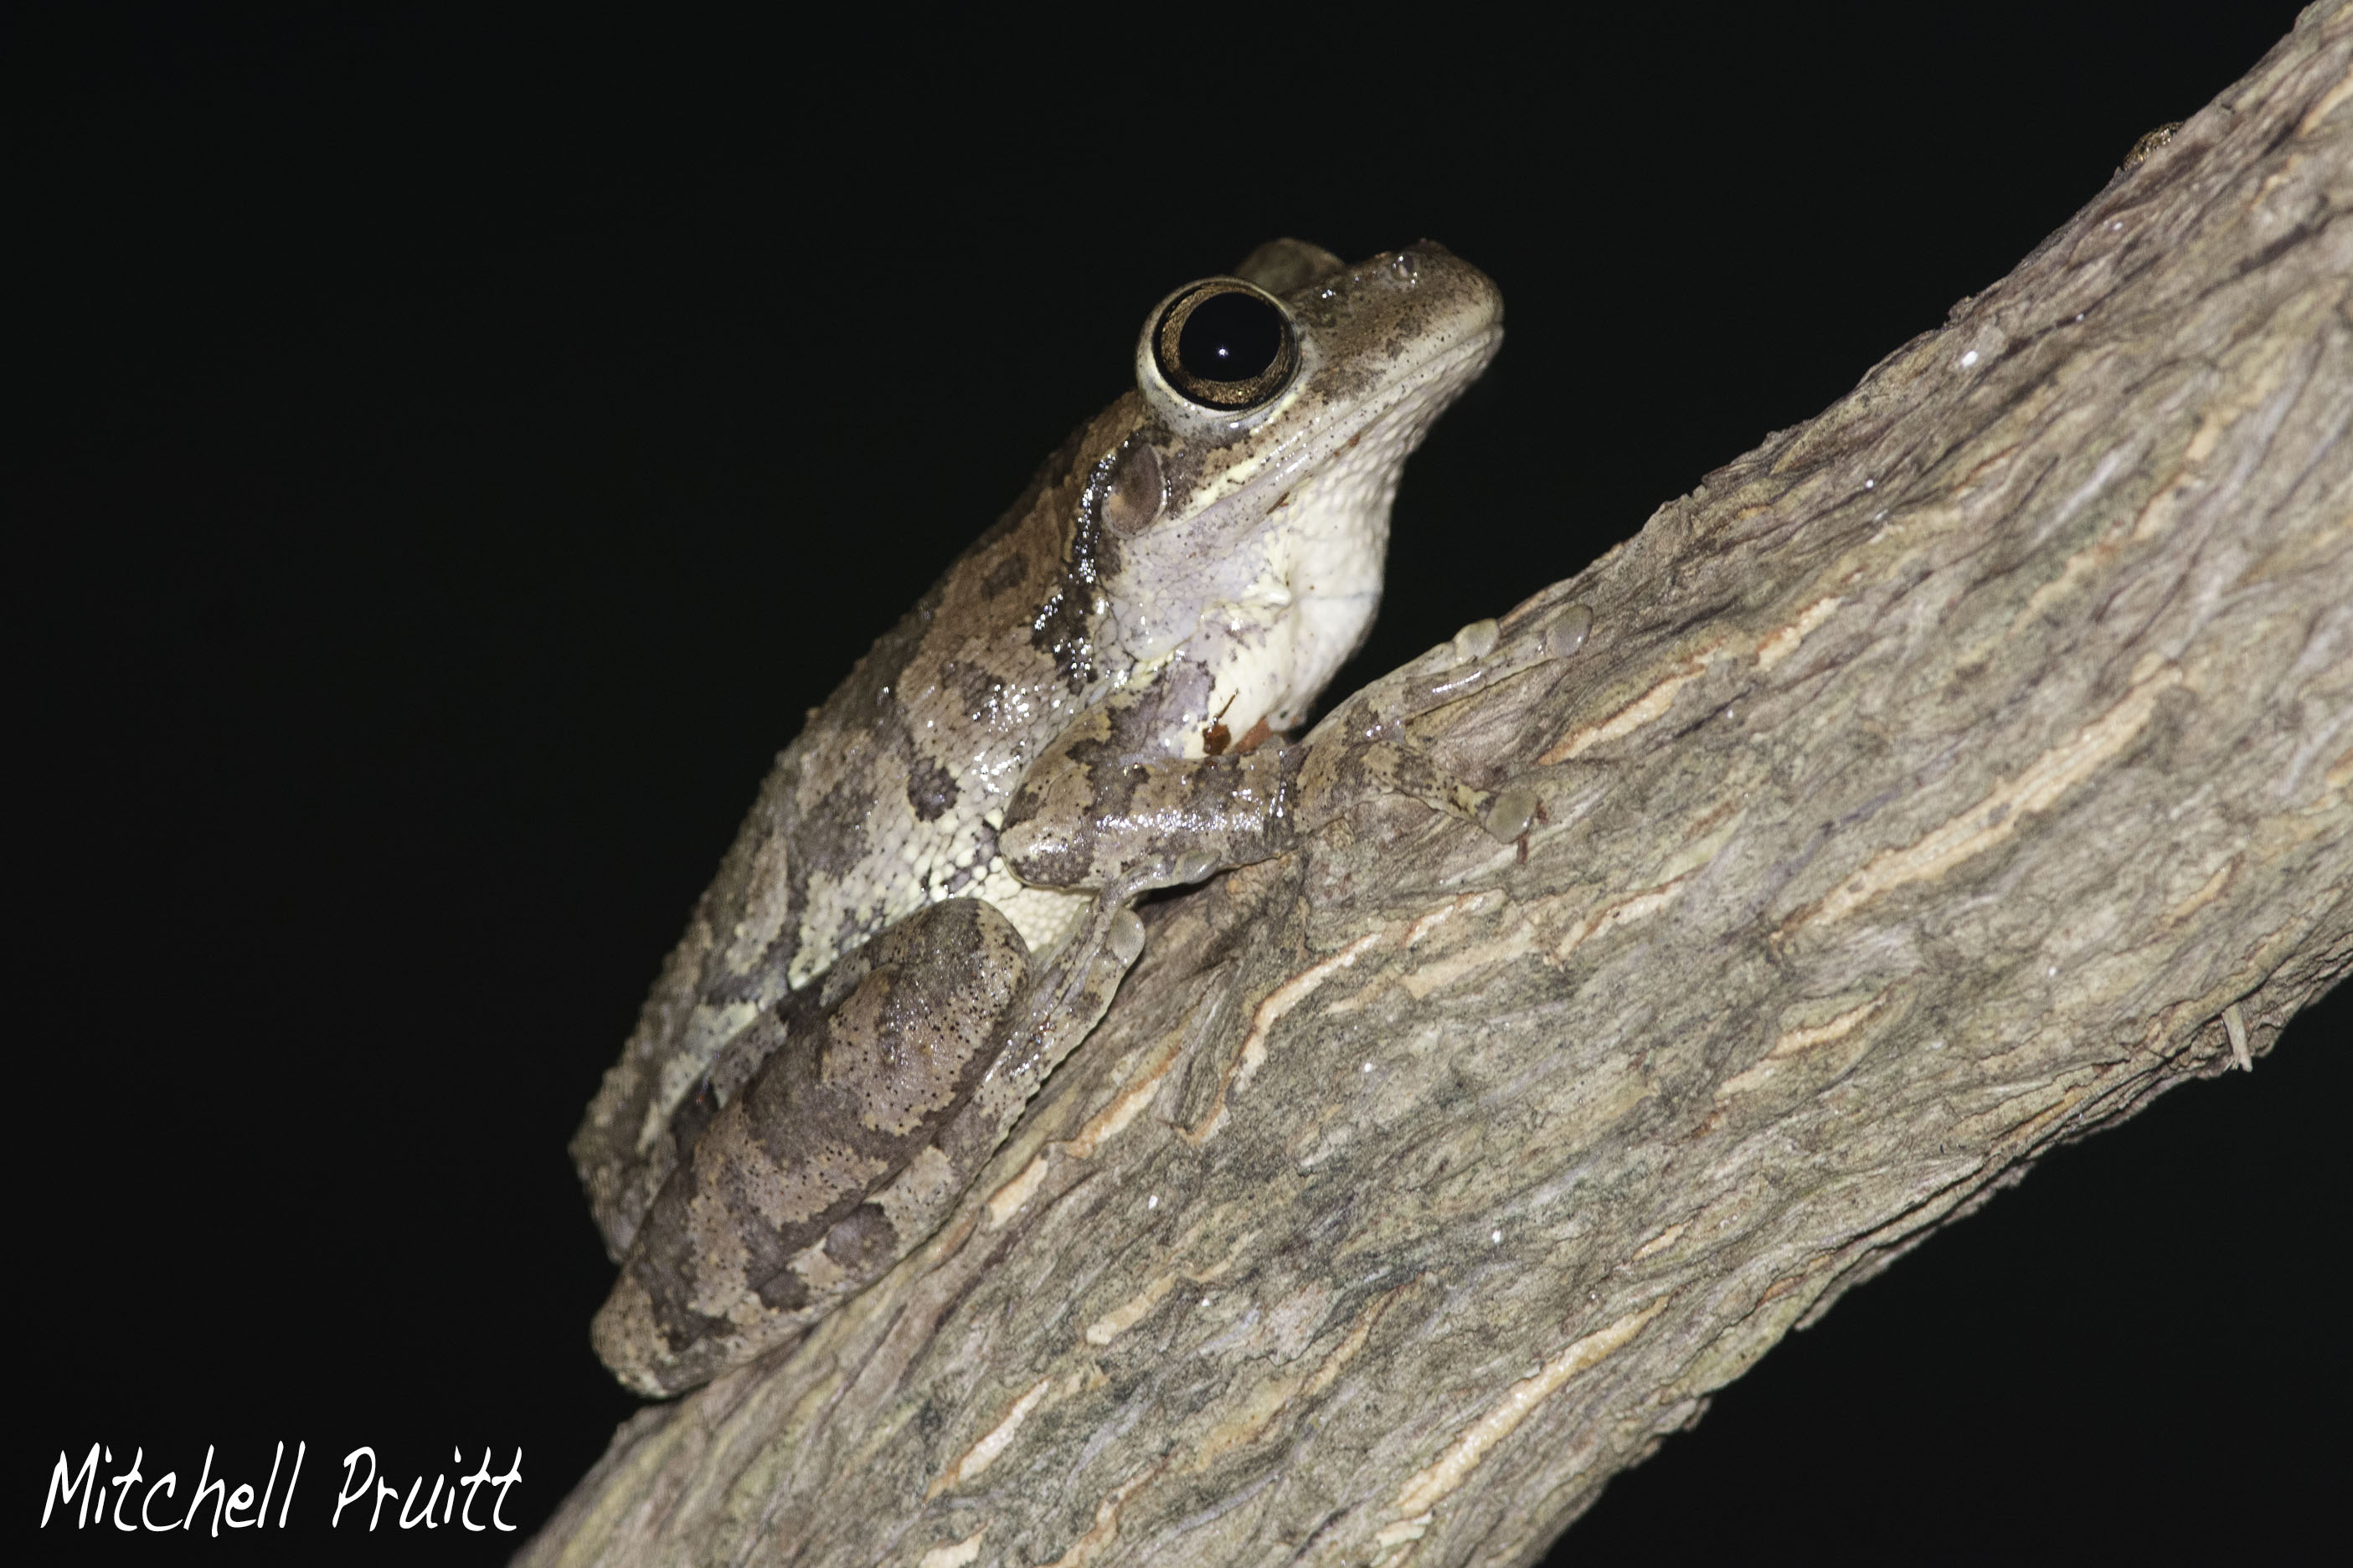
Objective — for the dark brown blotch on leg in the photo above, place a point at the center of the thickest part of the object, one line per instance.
(864, 1242)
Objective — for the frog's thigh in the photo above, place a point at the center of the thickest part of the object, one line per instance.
(827, 1167)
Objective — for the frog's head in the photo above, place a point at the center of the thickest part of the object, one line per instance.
(1244, 513)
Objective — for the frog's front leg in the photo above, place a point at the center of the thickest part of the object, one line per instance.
(1095, 813)
(1105, 806)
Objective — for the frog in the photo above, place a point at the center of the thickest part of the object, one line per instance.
(931, 902)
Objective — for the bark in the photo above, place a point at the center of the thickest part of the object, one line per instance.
(1939, 781)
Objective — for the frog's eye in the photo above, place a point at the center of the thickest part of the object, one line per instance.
(1224, 345)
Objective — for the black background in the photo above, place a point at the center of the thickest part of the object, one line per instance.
(454, 460)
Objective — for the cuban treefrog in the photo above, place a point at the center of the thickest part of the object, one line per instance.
(927, 906)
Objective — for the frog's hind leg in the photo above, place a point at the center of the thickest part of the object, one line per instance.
(844, 1149)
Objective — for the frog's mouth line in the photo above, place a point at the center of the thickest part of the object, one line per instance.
(1443, 368)
(1419, 393)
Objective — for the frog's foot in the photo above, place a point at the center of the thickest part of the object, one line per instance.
(1373, 752)
(1083, 982)
(1398, 764)
(1474, 659)
(1069, 998)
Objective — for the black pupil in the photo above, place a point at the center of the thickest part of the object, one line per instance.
(1230, 337)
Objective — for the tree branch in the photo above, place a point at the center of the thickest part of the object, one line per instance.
(1940, 781)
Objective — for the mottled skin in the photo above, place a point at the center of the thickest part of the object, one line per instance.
(1075, 713)
(876, 1096)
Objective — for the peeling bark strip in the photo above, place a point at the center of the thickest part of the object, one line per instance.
(1941, 780)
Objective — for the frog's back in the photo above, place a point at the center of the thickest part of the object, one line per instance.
(882, 805)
